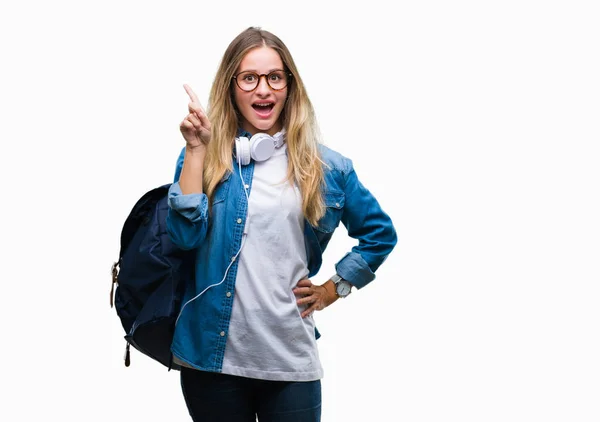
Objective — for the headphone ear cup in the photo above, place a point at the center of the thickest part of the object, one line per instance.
(262, 146)
(242, 150)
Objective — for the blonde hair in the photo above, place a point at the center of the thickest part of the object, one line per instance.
(305, 167)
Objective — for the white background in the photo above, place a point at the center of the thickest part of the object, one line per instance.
(476, 125)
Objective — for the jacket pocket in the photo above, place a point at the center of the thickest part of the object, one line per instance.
(222, 188)
(334, 203)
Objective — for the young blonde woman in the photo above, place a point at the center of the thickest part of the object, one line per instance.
(259, 198)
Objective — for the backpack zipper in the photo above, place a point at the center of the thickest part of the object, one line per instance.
(127, 357)
(115, 273)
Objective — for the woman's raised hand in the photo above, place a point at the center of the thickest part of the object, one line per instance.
(195, 128)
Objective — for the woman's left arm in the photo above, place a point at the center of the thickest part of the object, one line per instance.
(366, 221)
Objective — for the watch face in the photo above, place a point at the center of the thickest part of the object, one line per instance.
(343, 288)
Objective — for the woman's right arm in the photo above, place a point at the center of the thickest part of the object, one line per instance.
(187, 219)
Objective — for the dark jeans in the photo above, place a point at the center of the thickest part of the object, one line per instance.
(213, 397)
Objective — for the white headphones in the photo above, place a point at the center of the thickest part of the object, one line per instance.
(260, 147)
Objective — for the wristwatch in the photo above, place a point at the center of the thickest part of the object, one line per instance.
(342, 287)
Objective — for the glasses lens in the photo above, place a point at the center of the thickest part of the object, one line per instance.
(277, 79)
(247, 80)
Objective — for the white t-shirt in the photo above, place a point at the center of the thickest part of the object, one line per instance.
(267, 337)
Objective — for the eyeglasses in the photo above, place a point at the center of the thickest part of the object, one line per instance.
(248, 81)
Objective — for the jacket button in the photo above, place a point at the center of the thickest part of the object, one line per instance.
(337, 204)
(222, 333)
(239, 220)
(246, 186)
(228, 294)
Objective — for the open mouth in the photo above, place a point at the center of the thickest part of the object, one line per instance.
(263, 108)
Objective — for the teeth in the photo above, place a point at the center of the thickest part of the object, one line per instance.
(264, 105)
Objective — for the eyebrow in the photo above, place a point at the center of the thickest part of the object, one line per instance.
(256, 71)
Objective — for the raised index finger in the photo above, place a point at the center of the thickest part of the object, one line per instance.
(191, 93)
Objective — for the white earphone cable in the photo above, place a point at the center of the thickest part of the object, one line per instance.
(235, 256)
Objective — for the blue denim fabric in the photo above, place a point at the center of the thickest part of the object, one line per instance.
(214, 397)
(201, 331)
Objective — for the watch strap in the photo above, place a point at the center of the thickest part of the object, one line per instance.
(336, 278)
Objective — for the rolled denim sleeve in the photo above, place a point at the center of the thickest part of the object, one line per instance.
(366, 221)
(187, 219)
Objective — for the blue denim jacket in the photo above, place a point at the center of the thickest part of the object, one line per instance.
(201, 330)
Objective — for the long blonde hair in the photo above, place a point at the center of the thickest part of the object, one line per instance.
(302, 135)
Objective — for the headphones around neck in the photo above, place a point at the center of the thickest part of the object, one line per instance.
(259, 148)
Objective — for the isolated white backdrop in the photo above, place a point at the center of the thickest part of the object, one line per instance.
(474, 123)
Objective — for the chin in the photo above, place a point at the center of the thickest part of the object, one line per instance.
(263, 125)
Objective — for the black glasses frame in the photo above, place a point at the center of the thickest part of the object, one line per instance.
(266, 75)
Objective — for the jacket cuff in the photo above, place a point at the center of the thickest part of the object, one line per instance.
(354, 268)
(193, 206)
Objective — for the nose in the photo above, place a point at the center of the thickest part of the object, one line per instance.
(263, 87)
